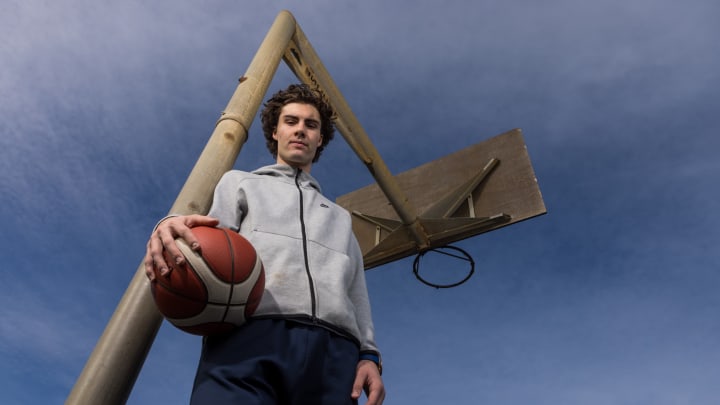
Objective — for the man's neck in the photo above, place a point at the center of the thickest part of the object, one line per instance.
(305, 168)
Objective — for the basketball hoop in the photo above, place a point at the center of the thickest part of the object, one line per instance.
(458, 253)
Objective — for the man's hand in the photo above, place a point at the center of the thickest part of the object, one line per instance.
(163, 239)
(367, 376)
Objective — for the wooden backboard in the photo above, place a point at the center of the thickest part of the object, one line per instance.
(478, 189)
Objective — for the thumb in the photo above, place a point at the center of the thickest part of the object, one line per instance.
(357, 387)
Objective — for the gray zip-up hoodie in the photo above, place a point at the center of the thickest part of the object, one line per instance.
(313, 265)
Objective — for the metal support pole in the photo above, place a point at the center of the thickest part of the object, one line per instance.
(115, 363)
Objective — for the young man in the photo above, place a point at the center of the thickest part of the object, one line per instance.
(311, 340)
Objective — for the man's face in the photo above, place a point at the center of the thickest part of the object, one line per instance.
(298, 135)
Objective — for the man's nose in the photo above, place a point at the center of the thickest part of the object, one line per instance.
(300, 129)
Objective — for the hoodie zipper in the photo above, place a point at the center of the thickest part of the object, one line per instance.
(305, 248)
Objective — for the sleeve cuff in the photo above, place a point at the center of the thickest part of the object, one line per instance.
(374, 358)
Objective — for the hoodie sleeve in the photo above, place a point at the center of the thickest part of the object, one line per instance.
(229, 204)
(359, 296)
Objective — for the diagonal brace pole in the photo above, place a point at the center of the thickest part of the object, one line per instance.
(305, 63)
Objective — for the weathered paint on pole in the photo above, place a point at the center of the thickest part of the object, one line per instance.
(115, 363)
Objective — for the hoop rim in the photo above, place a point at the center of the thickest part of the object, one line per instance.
(416, 266)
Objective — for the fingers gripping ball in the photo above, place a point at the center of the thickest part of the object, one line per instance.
(215, 290)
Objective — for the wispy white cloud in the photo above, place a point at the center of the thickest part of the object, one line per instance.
(38, 340)
(110, 104)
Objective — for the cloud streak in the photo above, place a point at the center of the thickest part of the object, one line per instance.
(607, 299)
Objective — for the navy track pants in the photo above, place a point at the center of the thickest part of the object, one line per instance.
(276, 362)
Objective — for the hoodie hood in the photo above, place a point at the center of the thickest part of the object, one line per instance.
(289, 172)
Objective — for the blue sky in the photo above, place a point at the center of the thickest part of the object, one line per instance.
(610, 298)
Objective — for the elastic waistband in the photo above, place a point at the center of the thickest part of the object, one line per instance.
(310, 321)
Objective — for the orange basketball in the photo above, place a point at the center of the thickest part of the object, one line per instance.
(215, 290)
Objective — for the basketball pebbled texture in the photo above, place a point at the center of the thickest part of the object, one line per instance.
(215, 290)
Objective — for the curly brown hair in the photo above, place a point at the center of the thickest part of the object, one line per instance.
(297, 93)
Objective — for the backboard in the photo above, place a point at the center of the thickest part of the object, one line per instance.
(475, 190)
